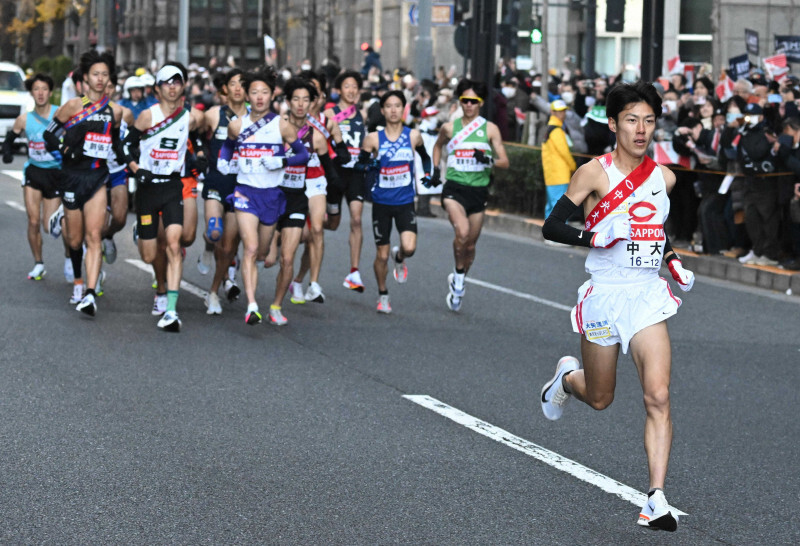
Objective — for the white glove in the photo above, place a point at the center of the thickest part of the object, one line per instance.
(683, 277)
(619, 230)
(272, 163)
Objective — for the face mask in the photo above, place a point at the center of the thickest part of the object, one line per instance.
(508, 92)
(671, 104)
(731, 117)
(754, 120)
(568, 97)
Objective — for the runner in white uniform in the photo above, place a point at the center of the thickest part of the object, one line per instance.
(626, 303)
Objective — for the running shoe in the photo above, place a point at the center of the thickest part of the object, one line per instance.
(213, 305)
(159, 305)
(87, 305)
(109, 250)
(554, 397)
(454, 295)
(353, 281)
(204, 262)
(232, 290)
(55, 222)
(296, 290)
(400, 270)
(170, 322)
(314, 293)
(750, 257)
(276, 317)
(38, 272)
(657, 514)
(233, 268)
(77, 294)
(383, 304)
(252, 317)
(764, 260)
(135, 233)
(100, 281)
(69, 273)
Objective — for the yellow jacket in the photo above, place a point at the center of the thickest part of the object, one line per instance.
(557, 161)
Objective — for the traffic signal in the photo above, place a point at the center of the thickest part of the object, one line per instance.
(536, 33)
(461, 8)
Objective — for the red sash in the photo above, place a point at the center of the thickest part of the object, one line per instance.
(623, 190)
(164, 123)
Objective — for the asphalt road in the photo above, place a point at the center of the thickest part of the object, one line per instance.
(112, 431)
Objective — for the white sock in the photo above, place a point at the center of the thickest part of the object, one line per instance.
(458, 279)
(252, 307)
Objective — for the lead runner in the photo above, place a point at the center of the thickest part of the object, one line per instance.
(626, 303)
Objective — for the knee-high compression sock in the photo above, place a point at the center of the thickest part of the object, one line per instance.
(76, 257)
(172, 300)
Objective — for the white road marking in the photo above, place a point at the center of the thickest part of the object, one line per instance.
(15, 205)
(13, 174)
(187, 286)
(609, 485)
(522, 295)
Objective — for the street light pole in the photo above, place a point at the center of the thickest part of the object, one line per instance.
(183, 32)
(423, 62)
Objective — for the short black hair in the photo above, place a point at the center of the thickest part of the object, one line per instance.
(706, 83)
(92, 57)
(293, 84)
(77, 75)
(348, 74)
(630, 93)
(229, 75)
(264, 74)
(395, 93)
(479, 87)
(39, 77)
(315, 75)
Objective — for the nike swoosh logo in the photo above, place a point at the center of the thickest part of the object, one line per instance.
(657, 192)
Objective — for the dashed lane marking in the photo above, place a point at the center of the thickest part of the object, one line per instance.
(518, 294)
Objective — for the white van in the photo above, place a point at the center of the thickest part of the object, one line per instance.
(14, 98)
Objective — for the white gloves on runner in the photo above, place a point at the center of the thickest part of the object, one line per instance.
(272, 163)
(619, 230)
(683, 277)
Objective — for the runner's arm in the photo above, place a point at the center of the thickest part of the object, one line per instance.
(11, 136)
(441, 140)
(580, 187)
(419, 147)
(496, 141)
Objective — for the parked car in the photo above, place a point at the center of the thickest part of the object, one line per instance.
(14, 98)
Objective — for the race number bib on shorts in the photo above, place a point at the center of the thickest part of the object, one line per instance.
(597, 329)
(395, 177)
(294, 177)
(97, 145)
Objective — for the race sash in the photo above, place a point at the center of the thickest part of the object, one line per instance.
(388, 155)
(344, 114)
(620, 193)
(464, 133)
(40, 119)
(88, 111)
(254, 128)
(318, 125)
(164, 123)
(303, 131)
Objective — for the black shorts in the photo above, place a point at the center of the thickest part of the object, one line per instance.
(473, 199)
(77, 187)
(296, 210)
(352, 189)
(218, 186)
(47, 181)
(405, 219)
(153, 198)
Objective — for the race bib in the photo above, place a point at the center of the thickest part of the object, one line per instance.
(294, 176)
(97, 145)
(395, 177)
(250, 159)
(163, 162)
(463, 160)
(37, 152)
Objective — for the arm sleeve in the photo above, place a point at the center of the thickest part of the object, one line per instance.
(198, 142)
(426, 159)
(52, 136)
(330, 170)
(300, 156)
(130, 146)
(668, 249)
(8, 146)
(363, 161)
(342, 153)
(556, 228)
(116, 144)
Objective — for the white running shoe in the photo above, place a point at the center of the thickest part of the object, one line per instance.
(37, 273)
(232, 290)
(554, 397)
(276, 317)
(353, 281)
(69, 273)
(204, 262)
(384, 306)
(55, 222)
(657, 514)
(159, 305)
(100, 281)
(77, 294)
(314, 293)
(454, 295)
(87, 305)
(296, 290)
(748, 258)
(213, 305)
(400, 270)
(170, 322)
(109, 250)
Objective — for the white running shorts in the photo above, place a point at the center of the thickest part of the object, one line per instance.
(316, 186)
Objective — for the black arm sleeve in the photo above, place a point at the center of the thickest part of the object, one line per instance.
(342, 153)
(330, 171)
(130, 146)
(52, 136)
(556, 228)
(427, 164)
(198, 142)
(668, 249)
(116, 144)
(363, 160)
(8, 146)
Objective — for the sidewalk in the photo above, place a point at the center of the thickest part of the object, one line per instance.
(718, 267)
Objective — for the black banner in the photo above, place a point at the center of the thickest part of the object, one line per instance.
(751, 41)
(790, 45)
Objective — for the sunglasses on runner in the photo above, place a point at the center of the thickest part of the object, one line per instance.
(470, 100)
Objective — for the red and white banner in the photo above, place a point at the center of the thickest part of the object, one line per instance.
(724, 89)
(520, 115)
(665, 154)
(776, 66)
(674, 65)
